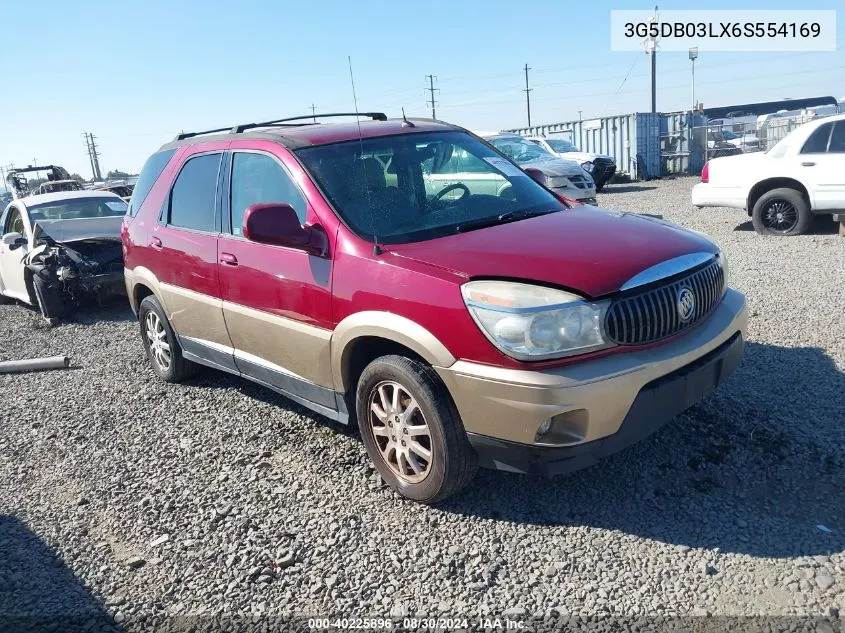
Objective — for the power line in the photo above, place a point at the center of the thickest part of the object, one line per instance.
(432, 89)
(314, 112)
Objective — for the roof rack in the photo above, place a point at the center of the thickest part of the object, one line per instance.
(237, 129)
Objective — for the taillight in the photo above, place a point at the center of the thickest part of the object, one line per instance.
(705, 172)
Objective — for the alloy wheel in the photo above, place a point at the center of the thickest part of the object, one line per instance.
(157, 339)
(400, 431)
(780, 216)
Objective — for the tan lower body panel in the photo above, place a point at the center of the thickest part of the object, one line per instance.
(301, 349)
(195, 315)
(511, 404)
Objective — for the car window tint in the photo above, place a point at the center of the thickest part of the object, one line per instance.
(260, 178)
(149, 174)
(837, 139)
(817, 142)
(14, 223)
(194, 193)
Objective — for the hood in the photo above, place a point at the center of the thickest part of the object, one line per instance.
(592, 251)
(80, 229)
(553, 166)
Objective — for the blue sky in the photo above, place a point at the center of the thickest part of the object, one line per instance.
(137, 73)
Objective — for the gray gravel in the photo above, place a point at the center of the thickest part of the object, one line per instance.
(122, 495)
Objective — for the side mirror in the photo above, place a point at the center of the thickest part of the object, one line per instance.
(276, 223)
(14, 240)
(536, 175)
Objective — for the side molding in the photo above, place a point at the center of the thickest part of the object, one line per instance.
(387, 326)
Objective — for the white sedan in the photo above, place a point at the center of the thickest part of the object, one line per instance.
(58, 250)
(783, 188)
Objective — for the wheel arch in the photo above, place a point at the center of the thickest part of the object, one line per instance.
(140, 283)
(364, 336)
(768, 184)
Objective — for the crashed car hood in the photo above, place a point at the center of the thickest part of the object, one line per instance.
(592, 251)
(80, 229)
(552, 166)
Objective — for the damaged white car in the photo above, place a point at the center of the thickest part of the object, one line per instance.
(61, 251)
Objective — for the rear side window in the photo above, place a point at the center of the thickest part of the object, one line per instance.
(259, 178)
(837, 139)
(194, 194)
(817, 142)
(149, 174)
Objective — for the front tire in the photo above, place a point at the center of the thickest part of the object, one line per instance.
(412, 431)
(161, 344)
(781, 212)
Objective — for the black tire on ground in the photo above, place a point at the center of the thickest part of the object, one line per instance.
(599, 187)
(764, 218)
(178, 369)
(453, 461)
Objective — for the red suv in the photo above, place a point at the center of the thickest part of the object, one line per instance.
(478, 320)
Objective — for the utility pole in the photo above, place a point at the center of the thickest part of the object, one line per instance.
(432, 90)
(651, 48)
(93, 154)
(527, 92)
(314, 112)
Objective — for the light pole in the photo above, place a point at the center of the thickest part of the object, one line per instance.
(693, 55)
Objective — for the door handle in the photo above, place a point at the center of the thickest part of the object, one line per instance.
(228, 259)
(155, 243)
(808, 164)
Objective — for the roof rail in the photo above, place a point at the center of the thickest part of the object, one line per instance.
(375, 116)
(237, 129)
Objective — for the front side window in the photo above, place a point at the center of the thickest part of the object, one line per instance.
(194, 194)
(837, 139)
(14, 222)
(412, 187)
(817, 141)
(75, 208)
(260, 178)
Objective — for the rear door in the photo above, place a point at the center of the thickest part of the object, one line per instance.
(12, 282)
(185, 238)
(276, 300)
(821, 162)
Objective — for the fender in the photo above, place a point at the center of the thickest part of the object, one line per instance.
(388, 326)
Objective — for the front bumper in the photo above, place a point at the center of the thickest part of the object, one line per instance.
(603, 404)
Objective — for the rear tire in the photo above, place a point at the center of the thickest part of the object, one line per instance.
(412, 431)
(781, 212)
(161, 344)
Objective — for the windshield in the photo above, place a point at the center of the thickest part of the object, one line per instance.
(520, 150)
(559, 145)
(414, 187)
(75, 208)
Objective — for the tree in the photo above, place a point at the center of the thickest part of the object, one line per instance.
(77, 177)
(35, 182)
(116, 173)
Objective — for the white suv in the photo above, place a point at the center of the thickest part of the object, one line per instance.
(803, 175)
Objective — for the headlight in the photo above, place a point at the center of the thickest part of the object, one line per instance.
(556, 182)
(534, 323)
(588, 167)
(723, 262)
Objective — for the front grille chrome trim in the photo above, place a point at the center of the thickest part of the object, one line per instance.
(653, 314)
(668, 268)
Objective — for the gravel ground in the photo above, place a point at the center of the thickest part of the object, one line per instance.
(126, 498)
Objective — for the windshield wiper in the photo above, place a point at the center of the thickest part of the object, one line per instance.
(502, 218)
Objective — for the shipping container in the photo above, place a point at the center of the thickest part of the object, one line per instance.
(632, 139)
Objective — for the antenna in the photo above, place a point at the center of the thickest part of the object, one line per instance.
(376, 248)
(405, 121)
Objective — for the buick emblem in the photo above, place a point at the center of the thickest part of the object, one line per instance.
(686, 304)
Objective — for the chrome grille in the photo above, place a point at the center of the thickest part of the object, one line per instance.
(654, 314)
